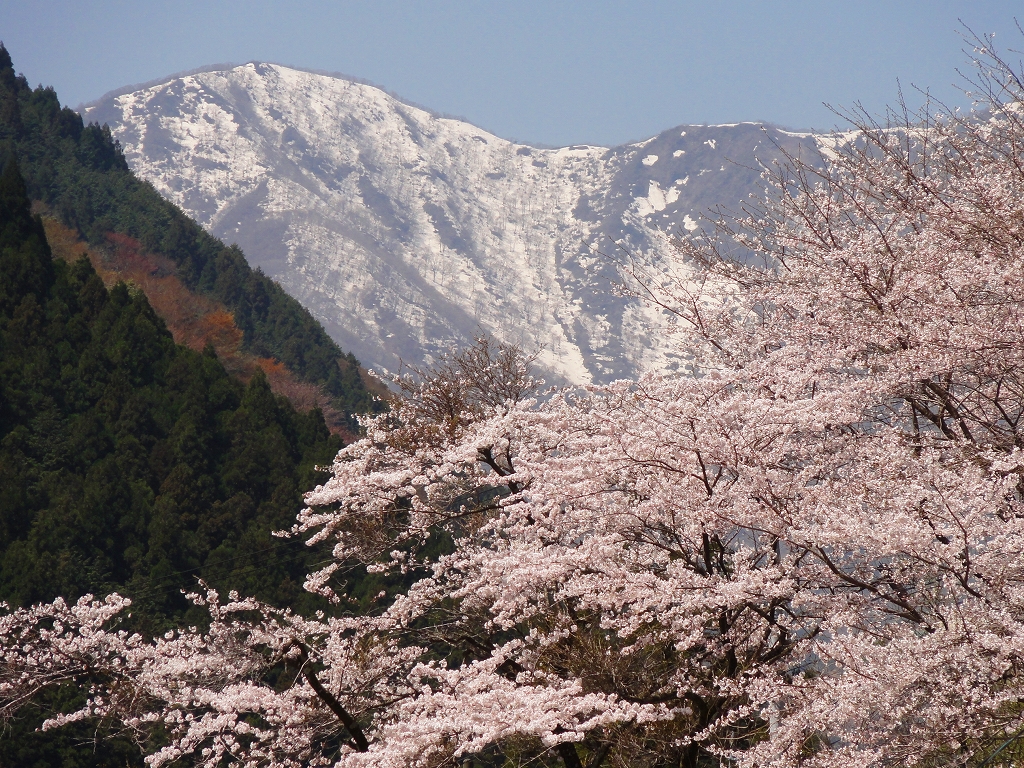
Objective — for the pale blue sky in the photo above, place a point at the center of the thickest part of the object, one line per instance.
(546, 72)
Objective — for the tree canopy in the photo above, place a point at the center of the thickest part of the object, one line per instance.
(806, 553)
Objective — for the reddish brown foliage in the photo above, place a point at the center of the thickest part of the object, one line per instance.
(195, 321)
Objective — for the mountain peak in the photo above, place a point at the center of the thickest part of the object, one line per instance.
(405, 232)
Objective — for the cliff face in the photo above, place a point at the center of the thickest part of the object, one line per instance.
(404, 232)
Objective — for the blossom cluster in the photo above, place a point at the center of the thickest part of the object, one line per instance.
(809, 552)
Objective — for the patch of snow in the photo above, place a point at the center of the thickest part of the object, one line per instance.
(710, 143)
(689, 223)
(650, 160)
(657, 199)
(829, 143)
(679, 153)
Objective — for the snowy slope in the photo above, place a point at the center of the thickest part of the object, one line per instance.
(403, 231)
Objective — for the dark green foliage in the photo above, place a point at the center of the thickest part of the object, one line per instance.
(78, 745)
(129, 463)
(80, 173)
(123, 454)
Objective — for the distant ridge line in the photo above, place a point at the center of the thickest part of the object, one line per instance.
(225, 66)
(222, 67)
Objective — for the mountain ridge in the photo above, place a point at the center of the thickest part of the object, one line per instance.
(404, 232)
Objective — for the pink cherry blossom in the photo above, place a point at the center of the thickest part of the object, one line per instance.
(807, 552)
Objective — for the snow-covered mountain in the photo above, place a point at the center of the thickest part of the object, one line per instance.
(403, 231)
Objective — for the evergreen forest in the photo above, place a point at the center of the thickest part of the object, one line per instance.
(130, 463)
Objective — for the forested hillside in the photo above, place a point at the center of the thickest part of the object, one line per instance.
(78, 171)
(128, 462)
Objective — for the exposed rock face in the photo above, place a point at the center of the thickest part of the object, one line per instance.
(403, 231)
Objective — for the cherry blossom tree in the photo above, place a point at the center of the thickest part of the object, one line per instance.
(807, 552)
